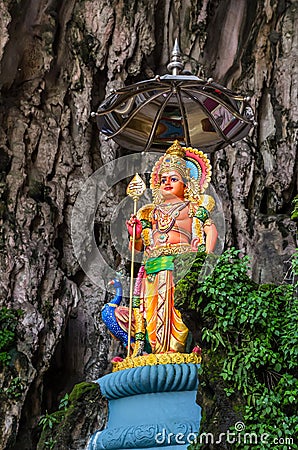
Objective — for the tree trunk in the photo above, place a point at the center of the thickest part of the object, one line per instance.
(58, 62)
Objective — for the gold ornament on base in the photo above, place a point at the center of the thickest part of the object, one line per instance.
(154, 359)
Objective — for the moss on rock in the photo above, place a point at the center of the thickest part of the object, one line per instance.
(71, 428)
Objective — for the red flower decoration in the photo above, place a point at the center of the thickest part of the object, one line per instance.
(117, 359)
(197, 350)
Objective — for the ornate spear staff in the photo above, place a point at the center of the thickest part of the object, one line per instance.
(134, 189)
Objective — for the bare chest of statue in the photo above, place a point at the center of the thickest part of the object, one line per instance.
(171, 223)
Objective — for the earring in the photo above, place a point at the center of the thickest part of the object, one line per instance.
(186, 192)
(157, 196)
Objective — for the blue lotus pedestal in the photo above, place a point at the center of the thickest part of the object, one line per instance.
(150, 407)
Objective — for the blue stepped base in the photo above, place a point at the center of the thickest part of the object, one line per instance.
(150, 407)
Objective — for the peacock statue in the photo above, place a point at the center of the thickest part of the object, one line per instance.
(116, 317)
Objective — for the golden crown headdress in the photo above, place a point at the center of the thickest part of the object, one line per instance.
(192, 164)
(174, 160)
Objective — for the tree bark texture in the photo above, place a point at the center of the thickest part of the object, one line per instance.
(59, 59)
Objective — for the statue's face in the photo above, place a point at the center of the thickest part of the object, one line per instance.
(172, 185)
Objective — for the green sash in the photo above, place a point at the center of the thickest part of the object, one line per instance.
(154, 265)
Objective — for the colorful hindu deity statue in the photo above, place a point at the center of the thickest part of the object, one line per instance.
(178, 221)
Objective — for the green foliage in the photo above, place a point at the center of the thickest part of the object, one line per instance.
(252, 330)
(80, 390)
(50, 443)
(294, 215)
(57, 426)
(185, 285)
(64, 402)
(15, 389)
(47, 420)
(8, 324)
(295, 263)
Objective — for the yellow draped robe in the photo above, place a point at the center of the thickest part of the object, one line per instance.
(165, 329)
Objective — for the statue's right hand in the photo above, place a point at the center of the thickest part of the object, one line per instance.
(133, 221)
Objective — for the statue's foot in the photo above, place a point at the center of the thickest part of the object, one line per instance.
(138, 349)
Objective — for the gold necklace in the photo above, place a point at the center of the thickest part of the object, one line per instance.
(165, 220)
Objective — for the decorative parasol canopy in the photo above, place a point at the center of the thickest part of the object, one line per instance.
(196, 112)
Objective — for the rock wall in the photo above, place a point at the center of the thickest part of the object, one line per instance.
(58, 62)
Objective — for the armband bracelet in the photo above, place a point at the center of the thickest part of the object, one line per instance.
(208, 222)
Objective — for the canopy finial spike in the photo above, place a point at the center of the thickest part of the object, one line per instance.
(176, 64)
(176, 48)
